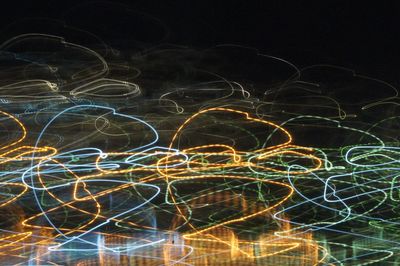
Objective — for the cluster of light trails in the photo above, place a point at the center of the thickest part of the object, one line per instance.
(96, 169)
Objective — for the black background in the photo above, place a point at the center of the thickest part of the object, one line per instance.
(362, 35)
